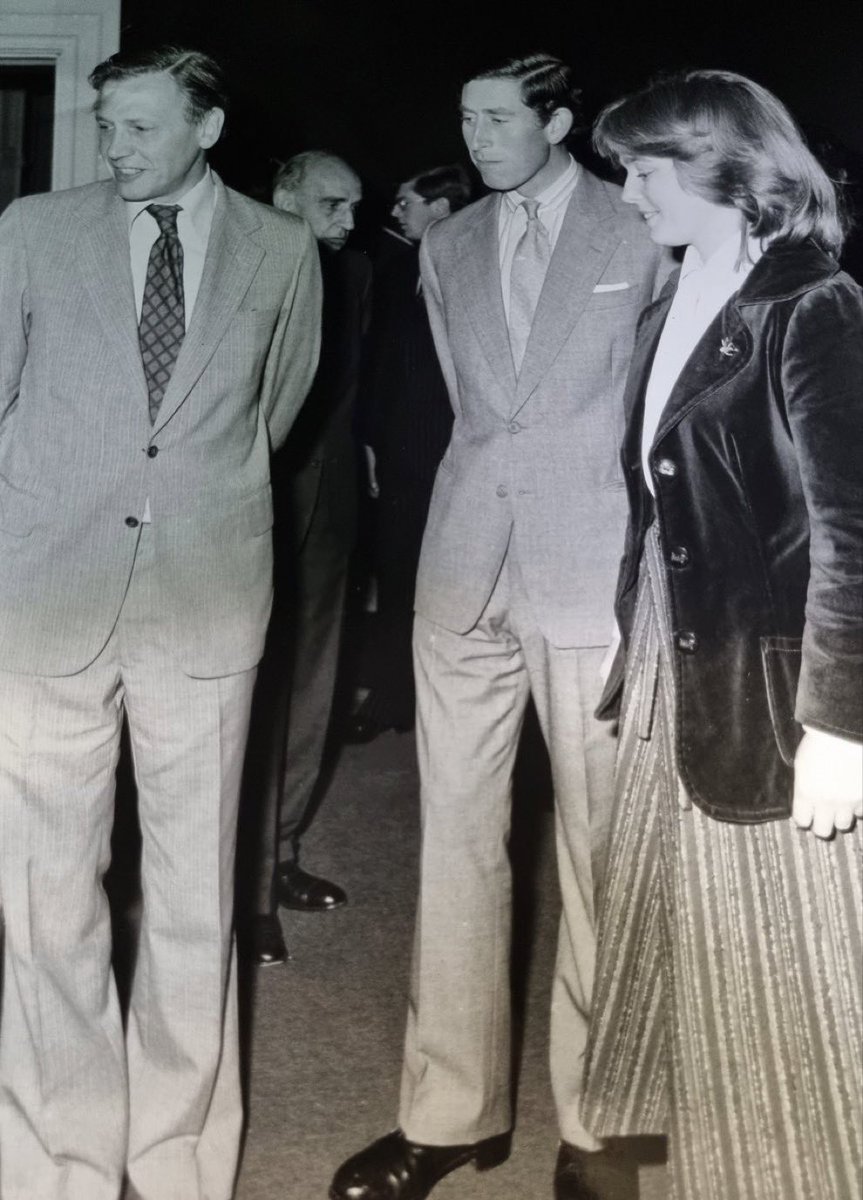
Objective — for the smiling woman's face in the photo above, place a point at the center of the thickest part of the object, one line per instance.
(674, 216)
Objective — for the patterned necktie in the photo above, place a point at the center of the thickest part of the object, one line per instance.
(532, 255)
(163, 312)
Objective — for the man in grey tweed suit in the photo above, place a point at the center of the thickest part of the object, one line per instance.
(533, 295)
(135, 578)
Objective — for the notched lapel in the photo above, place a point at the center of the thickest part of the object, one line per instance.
(477, 264)
(106, 274)
(587, 240)
(230, 265)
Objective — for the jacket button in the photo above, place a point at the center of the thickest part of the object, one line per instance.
(152, 451)
(132, 522)
(678, 556)
(666, 467)
(687, 642)
(502, 491)
(514, 427)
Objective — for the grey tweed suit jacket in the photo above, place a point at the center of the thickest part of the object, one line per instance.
(535, 458)
(79, 458)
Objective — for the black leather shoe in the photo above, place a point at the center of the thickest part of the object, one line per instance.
(296, 888)
(393, 1168)
(607, 1174)
(362, 728)
(266, 941)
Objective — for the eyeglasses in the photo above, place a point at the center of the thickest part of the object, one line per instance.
(402, 202)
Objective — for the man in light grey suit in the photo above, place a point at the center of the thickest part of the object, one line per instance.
(533, 295)
(158, 333)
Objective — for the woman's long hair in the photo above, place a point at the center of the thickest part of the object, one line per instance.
(732, 143)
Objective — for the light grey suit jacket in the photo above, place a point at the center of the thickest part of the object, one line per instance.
(79, 458)
(535, 458)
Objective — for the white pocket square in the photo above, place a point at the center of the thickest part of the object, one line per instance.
(611, 287)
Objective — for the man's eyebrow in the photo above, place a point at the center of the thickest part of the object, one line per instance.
(494, 112)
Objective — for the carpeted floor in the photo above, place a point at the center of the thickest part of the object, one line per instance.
(325, 1030)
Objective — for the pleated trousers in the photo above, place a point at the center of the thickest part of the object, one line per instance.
(472, 691)
(80, 1103)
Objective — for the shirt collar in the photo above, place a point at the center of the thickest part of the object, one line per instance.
(550, 196)
(722, 263)
(197, 205)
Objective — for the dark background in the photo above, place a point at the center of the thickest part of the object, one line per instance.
(377, 81)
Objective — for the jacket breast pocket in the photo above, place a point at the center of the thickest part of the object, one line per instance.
(780, 661)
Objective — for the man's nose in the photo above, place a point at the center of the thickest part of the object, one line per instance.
(115, 145)
(347, 220)
(481, 136)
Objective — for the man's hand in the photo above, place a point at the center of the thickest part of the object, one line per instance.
(828, 783)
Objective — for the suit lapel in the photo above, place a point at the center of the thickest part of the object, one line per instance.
(106, 274)
(478, 270)
(230, 265)
(586, 242)
(646, 341)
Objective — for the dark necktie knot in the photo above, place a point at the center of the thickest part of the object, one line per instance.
(166, 217)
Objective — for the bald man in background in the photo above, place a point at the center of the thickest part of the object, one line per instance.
(315, 489)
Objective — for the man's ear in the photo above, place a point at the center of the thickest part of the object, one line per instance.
(285, 200)
(558, 125)
(439, 208)
(210, 128)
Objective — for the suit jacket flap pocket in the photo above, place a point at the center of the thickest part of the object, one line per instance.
(256, 515)
(780, 660)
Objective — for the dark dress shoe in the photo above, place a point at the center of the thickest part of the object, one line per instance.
(393, 1168)
(266, 942)
(361, 729)
(296, 888)
(607, 1174)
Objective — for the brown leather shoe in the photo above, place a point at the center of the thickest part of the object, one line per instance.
(393, 1168)
(607, 1174)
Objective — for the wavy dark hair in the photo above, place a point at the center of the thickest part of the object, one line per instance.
(451, 182)
(546, 84)
(198, 75)
(733, 143)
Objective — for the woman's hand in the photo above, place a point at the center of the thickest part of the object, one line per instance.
(828, 783)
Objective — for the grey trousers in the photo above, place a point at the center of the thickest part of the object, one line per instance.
(472, 690)
(293, 703)
(80, 1104)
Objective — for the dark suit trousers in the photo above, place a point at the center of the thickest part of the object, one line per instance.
(294, 697)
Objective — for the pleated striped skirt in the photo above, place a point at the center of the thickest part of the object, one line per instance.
(727, 998)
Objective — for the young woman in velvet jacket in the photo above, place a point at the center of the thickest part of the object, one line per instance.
(727, 995)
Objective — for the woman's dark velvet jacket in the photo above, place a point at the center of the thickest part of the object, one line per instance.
(757, 465)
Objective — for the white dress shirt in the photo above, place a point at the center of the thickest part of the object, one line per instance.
(194, 221)
(703, 289)
(512, 220)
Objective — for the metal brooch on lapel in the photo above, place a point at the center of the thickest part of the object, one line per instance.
(727, 347)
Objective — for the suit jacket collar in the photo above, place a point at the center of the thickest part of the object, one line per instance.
(587, 239)
(231, 262)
